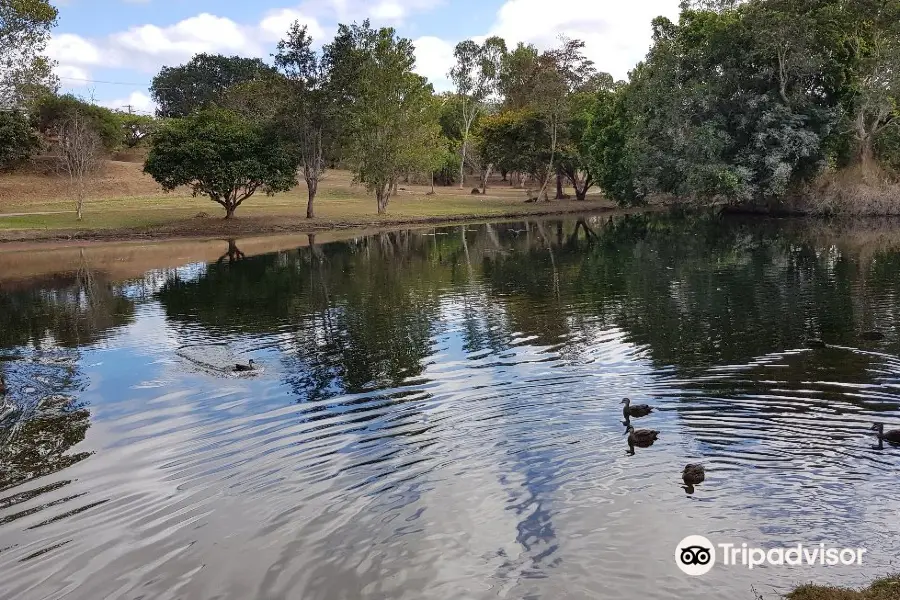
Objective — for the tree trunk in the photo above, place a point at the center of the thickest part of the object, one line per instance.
(559, 186)
(382, 194)
(462, 163)
(580, 194)
(432, 182)
(312, 185)
(229, 209)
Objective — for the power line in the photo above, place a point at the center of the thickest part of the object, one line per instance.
(107, 82)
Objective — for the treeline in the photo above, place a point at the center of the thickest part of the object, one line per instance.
(751, 102)
(359, 104)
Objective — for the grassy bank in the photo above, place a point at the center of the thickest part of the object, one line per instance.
(887, 588)
(126, 204)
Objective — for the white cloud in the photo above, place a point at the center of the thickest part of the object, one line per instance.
(388, 10)
(202, 33)
(434, 57)
(616, 34)
(71, 75)
(147, 48)
(276, 23)
(138, 101)
(71, 49)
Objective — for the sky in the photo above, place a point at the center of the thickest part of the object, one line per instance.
(109, 50)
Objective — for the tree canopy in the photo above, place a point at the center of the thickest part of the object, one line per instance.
(203, 80)
(222, 156)
(24, 70)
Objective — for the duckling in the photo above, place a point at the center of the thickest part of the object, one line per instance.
(892, 436)
(635, 410)
(693, 474)
(642, 438)
(239, 368)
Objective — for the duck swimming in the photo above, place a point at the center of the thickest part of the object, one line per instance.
(892, 436)
(635, 410)
(693, 474)
(642, 438)
(239, 368)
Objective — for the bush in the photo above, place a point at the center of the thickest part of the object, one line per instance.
(221, 156)
(18, 141)
(52, 112)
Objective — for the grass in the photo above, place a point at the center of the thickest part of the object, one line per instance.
(887, 588)
(31, 205)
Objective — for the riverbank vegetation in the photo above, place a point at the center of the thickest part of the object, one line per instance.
(766, 105)
(887, 588)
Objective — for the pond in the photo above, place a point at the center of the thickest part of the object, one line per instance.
(436, 413)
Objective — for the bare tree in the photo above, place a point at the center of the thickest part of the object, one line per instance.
(80, 156)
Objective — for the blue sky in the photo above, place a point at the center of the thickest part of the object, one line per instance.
(125, 42)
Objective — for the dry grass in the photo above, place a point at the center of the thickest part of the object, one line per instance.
(124, 201)
(882, 589)
(852, 192)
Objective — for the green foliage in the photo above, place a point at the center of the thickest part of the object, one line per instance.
(18, 140)
(222, 156)
(515, 141)
(606, 140)
(24, 31)
(136, 129)
(51, 113)
(202, 81)
(743, 102)
(389, 121)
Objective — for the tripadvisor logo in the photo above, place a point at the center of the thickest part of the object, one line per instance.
(696, 555)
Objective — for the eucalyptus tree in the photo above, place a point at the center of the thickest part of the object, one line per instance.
(475, 77)
(310, 105)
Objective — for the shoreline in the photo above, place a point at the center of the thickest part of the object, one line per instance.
(213, 228)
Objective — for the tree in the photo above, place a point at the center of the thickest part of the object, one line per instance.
(24, 30)
(517, 72)
(136, 128)
(52, 113)
(310, 105)
(387, 111)
(18, 140)
(80, 155)
(560, 72)
(515, 141)
(203, 80)
(222, 156)
(475, 76)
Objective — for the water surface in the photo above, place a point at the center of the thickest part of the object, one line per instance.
(437, 413)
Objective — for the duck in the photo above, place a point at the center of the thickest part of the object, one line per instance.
(3, 388)
(816, 343)
(642, 438)
(239, 368)
(693, 474)
(892, 436)
(635, 410)
(872, 335)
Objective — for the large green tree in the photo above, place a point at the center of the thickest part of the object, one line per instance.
(221, 155)
(24, 31)
(389, 124)
(203, 80)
